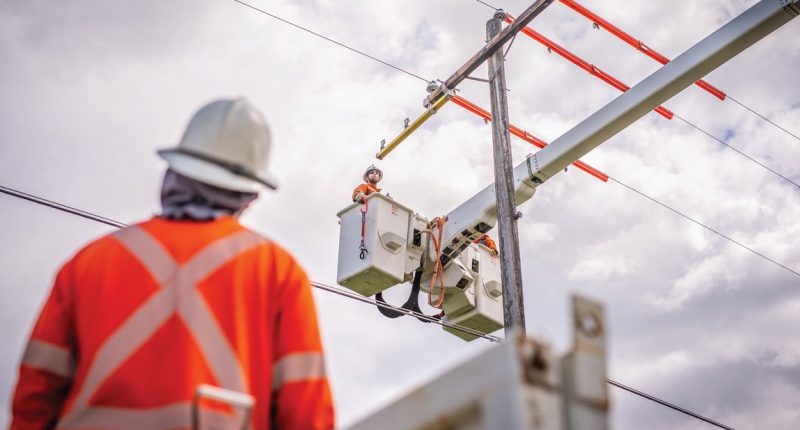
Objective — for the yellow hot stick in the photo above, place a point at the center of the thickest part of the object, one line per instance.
(413, 126)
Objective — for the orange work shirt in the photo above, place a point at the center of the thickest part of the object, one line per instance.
(141, 317)
(366, 189)
(488, 242)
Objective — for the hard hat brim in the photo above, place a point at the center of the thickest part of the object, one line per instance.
(215, 175)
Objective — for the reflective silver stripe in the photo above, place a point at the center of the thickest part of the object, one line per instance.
(173, 416)
(128, 338)
(297, 367)
(48, 357)
(150, 252)
(177, 289)
(199, 318)
(219, 354)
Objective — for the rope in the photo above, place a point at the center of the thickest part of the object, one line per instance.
(438, 270)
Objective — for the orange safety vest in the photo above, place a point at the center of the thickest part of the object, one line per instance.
(366, 189)
(138, 319)
(487, 241)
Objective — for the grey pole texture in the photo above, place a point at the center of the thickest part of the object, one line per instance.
(511, 274)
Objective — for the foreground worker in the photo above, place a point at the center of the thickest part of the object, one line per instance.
(372, 176)
(140, 318)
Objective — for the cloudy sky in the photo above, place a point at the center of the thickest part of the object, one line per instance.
(91, 89)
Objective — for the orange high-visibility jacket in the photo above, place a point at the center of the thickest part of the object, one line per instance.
(139, 318)
(365, 189)
(487, 241)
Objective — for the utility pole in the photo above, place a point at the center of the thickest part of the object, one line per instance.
(511, 274)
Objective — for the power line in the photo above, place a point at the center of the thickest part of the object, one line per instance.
(61, 207)
(737, 151)
(703, 225)
(427, 318)
(667, 404)
(486, 4)
(108, 221)
(763, 117)
(332, 41)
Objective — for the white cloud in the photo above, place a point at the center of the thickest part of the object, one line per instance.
(89, 92)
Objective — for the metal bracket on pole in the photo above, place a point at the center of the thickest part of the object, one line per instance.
(533, 168)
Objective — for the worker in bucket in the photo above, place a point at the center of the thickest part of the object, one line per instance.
(372, 176)
(140, 319)
(488, 242)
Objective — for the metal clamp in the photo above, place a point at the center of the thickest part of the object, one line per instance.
(531, 175)
(790, 7)
(429, 104)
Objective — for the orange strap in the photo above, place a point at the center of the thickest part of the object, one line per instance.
(438, 270)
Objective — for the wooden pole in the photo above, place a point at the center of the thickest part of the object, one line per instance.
(513, 305)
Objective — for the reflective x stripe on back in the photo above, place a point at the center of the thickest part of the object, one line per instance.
(177, 294)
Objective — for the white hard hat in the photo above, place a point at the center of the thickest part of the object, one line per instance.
(371, 168)
(226, 144)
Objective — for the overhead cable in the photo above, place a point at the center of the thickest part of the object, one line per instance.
(763, 117)
(705, 226)
(486, 4)
(61, 207)
(343, 293)
(738, 151)
(332, 41)
(668, 404)
(408, 312)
